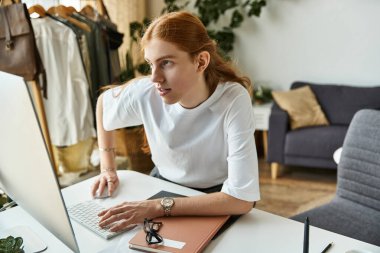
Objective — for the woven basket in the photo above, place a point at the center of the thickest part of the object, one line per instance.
(129, 142)
(74, 158)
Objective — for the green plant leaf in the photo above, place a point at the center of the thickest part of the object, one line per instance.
(18, 242)
(146, 22)
(209, 11)
(143, 68)
(225, 39)
(255, 8)
(263, 94)
(236, 19)
(11, 245)
(135, 29)
(170, 6)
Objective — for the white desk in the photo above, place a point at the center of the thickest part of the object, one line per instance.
(16, 216)
(256, 231)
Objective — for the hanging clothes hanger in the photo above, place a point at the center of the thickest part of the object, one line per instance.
(72, 9)
(37, 11)
(64, 12)
(59, 10)
(88, 11)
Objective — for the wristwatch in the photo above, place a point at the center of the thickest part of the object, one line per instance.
(167, 204)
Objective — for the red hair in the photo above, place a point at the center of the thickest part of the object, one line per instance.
(188, 33)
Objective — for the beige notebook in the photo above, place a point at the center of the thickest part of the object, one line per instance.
(187, 234)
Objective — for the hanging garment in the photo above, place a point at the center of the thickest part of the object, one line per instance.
(98, 49)
(68, 108)
(114, 39)
(100, 67)
(111, 37)
(82, 43)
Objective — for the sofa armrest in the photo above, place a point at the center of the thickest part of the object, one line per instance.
(278, 127)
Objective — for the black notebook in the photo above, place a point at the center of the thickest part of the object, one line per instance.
(163, 194)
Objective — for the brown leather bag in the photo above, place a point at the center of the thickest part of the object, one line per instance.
(18, 51)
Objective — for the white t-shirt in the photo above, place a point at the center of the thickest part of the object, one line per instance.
(200, 147)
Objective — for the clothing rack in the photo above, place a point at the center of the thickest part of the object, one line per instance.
(65, 12)
(83, 23)
(38, 102)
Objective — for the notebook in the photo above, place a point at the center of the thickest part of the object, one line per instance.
(187, 234)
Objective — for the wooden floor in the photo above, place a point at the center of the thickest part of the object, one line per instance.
(297, 190)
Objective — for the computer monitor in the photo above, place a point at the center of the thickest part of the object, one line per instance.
(26, 171)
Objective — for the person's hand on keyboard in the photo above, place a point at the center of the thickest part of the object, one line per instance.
(107, 179)
(126, 214)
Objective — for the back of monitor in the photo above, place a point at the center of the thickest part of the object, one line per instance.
(26, 171)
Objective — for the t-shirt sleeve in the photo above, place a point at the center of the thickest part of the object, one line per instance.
(121, 107)
(243, 175)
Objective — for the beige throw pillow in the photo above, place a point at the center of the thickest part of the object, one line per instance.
(302, 107)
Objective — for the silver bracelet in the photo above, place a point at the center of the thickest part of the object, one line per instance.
(107, 149)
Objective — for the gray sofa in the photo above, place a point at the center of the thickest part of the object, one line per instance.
(314, 146)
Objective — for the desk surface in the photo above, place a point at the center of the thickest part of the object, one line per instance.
(258, 230)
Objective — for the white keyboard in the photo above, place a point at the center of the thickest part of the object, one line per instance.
(86, 213)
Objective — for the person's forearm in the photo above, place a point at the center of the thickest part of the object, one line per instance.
(106, 140)
(135, 212)
(210, 204)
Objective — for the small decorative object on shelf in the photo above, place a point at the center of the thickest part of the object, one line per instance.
(262, 94)
(5, 202)
(3, 199)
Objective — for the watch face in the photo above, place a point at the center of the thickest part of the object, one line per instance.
(167, 202)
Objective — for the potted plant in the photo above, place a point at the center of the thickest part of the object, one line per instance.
(262, 94)
(11, 245)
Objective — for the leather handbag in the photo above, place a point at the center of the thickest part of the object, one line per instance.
(18, 51)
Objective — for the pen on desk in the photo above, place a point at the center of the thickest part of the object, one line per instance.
(306, 236)
(327, 247)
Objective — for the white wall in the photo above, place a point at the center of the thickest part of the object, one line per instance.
(335, 41)
(328, 41)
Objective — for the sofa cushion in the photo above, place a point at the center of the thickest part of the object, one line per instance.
(341, 102)
(302, 107)
(318, 142)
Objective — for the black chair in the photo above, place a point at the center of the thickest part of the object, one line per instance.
(355, 209)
